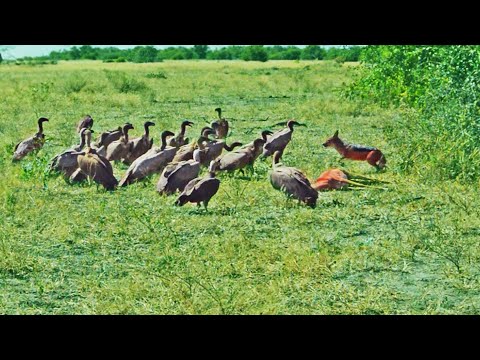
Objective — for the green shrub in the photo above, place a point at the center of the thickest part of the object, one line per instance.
(442, 85)
(255, 53)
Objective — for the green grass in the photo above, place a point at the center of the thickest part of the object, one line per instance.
(77, 249)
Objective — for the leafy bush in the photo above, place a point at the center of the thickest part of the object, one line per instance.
(255, 53)
(313, 52)
(442, 85)
(144, 54)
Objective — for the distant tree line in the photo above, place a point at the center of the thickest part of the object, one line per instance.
(145, 54)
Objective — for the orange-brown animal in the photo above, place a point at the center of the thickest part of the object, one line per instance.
(332, 179)
(357, 152)
(335, 179)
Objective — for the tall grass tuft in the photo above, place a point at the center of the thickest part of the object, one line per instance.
(124, 83)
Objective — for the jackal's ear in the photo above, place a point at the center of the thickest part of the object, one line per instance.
(336, 134)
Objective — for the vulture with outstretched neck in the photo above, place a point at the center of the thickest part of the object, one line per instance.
(140, 145)
(35, 142)
(220, 126)
(279, 140)
(185, 152)
(120, 148)
(180, 140)
(66, 162)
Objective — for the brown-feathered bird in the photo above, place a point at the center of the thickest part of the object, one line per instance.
(257, 150)
(292, 181)
(220, 126)
(35, 142)
(153, 161)
(95, 166)
(214, 148)
(279, 140)
(200, 190)
(66, 162)
(120, 148)
(85, 123)
(140, 145)
(180, 140)
(107, 137)
(185, 152)
(176, 176)
(237, 160)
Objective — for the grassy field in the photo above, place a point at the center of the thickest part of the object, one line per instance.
(77, 249)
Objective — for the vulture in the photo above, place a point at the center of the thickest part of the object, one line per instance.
(279, 140)
(180, 140)
(220, 126)
(214, 148)
(237, 160)
(120, 148)
(140, 145)
(186, 151)
(85, 123)
(292, 181)
(94, 166)
(257, 150)
(176, 176)
(107, 137)
(151, 162)
(66, 162)
(32, 143)
(200, 190)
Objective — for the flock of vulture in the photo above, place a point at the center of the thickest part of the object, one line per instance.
(179, 160)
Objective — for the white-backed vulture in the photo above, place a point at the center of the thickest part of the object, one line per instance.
(180, 140)
(119, 149)
(140, 145)
(279, 140)
(151, 162)
(214, 148)
(257, 150)
(95, 166)
(237, 160)
(220, 126)
(66, 162)
(292, 181)
(200, 190)
(35, 142)
(85, 123)
(185, 152)
(176, 176)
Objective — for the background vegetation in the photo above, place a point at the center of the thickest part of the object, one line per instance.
(438, 90)
(147, 54)
(77, 249)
